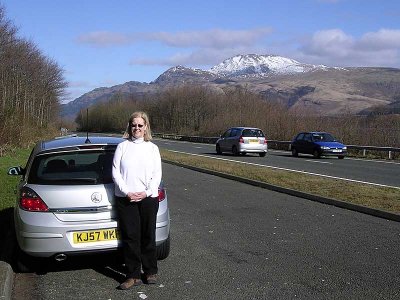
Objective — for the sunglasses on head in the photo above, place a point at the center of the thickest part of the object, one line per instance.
(137, 125)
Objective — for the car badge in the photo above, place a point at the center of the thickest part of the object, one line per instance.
(96, 197)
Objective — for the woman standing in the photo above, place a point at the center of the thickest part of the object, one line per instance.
(137, 174)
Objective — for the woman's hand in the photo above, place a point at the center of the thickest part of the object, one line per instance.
(136, 197)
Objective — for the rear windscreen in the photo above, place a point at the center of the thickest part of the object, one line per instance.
(323, 137)
(252, 133)
(70, 168)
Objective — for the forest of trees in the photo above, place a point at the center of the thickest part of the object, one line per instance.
(192, 110)
(31, 86)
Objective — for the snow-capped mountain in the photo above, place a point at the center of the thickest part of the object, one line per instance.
(253, 64)
(300, 86)
(240, 66)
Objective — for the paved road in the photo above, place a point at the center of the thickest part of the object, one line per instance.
(373, 171)
(235, 241)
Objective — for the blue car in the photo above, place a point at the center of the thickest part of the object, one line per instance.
(318, 144)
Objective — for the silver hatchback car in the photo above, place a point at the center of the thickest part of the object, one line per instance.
(65, 202)
(242, 140)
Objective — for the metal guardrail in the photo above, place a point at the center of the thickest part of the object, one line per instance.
(280, 145)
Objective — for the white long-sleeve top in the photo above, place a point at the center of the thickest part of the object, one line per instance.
(136, 168)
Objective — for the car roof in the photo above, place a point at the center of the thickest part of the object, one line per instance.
(68, 142)
(313, 132)
(241, 127)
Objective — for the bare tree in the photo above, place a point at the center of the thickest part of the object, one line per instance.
(31, 86)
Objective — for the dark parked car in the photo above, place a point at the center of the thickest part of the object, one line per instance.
(318, 144)
(242, 140)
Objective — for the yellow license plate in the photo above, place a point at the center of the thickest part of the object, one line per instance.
(96, 236)
(253, 141)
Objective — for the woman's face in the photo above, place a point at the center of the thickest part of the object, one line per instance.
(138, 127)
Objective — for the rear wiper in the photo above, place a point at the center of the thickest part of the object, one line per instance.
(73, 180)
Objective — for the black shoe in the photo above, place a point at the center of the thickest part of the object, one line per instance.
(151, 279)
(129, 283)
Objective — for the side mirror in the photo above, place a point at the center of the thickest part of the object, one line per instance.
(16, 171)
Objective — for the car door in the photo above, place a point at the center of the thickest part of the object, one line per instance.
(308, 145)
(223, 143)
(298, 143)
(232, 139)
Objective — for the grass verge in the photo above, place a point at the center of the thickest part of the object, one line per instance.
(381, 198)
(8, 183)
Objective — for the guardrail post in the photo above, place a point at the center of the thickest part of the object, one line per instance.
(390, 154)
(364, 152)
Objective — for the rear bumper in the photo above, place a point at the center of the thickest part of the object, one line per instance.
(333, 153)
(249, 148)
(57, 237)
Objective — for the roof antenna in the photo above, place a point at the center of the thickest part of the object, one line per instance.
(87, 127)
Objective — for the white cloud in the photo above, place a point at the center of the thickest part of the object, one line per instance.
(383, 39)
(214, 38)
(335, 47)
(201, 58)
(200, 49)
(105, 38)
(332, 42)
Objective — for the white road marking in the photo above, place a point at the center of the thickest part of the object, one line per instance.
(288, 152)
(319, 162)
(290, 170)
(374, 160)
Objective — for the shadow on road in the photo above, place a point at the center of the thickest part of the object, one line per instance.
(108, 264)
(7, 234)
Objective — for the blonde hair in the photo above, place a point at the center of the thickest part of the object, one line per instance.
(147, 133)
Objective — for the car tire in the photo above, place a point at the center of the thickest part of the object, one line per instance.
(218, 149)
(316, 153)
(262, 154)
(163, 249)
(294, 152)
(340, 156)
(235, 151)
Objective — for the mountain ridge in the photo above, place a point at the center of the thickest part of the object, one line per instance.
(318, 88)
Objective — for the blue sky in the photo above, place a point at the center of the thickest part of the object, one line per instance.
(103, 43)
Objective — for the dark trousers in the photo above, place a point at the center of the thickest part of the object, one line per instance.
(137, 223)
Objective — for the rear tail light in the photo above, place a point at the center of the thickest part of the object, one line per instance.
(30, 201)
(241, 140)
(265, 141)
(161, 194)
